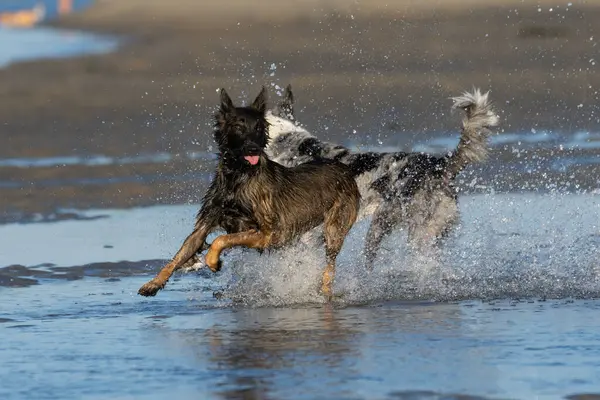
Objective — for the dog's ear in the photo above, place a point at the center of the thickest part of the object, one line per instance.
(260, 103)
(226, 103)
(288, 96)
(286, 105)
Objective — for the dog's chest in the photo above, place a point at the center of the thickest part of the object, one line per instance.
(250, 200)
(233, 207)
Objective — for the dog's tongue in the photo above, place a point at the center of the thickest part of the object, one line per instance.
(252, 159)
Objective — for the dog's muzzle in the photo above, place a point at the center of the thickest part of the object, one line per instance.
(252, 153)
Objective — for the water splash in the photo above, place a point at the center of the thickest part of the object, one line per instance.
(508, 246)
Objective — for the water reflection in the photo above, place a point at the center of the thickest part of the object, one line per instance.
(266, 350)
(335, 352)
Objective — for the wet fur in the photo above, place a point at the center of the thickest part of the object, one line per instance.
(414, 191)
(266, 205)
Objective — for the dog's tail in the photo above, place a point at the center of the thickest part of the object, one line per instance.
(473, 145)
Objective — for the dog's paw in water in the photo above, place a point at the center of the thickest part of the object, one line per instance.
(151, 288)
(216, 267)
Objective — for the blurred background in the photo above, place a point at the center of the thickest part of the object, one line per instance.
(108, 103)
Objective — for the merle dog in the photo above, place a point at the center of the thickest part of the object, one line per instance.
(415, 191)
(262, 204)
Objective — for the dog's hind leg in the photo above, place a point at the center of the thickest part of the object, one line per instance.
(386, 216)
(426, 234)
(192, 261)
(192, 244)
(196, 258)
(252, 239)
(338, 222)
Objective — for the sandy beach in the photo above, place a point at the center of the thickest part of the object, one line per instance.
(362, 72)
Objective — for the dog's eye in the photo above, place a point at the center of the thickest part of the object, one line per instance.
(243, 120)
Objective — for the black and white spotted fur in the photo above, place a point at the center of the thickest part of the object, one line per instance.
(413, 191)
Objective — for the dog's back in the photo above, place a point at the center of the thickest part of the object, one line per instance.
(295, 200)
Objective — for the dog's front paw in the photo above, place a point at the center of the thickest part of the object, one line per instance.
(151, 288)
(216, 267)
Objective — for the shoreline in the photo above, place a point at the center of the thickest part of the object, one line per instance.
(53, 43)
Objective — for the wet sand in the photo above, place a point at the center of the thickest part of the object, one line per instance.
(362, 73)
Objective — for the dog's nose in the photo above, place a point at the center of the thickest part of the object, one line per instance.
(251, 148)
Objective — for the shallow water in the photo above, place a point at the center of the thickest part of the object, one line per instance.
(95, 339)
(506, 310)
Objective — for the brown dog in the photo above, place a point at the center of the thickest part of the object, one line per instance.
(261, 204)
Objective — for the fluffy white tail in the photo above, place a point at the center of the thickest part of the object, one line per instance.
(473, 145)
